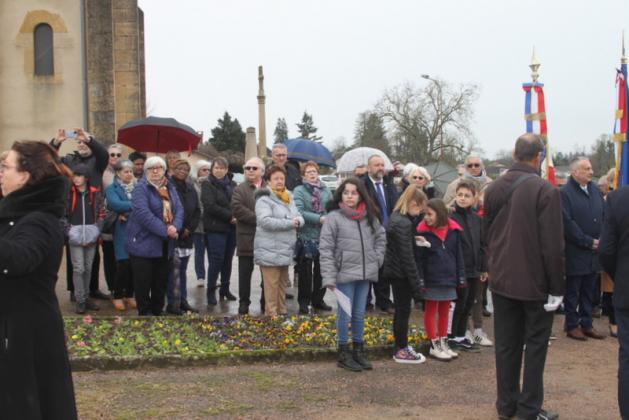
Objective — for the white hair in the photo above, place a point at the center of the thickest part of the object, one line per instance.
(279, 146)
(200, 164)
(154, 160)
(258, 161)
(114, 146)
(574, 165)
(411, 168)
(477, 156)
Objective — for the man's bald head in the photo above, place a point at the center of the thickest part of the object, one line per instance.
(528, 147)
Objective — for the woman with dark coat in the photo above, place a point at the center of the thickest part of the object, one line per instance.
(414, 174)
(153, 227)
(404, 277)
(35, 377)
(177, 281)
(220, 228)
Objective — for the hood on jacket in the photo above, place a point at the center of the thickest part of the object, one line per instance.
(441, 233)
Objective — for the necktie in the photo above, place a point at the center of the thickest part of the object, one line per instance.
(382, 202)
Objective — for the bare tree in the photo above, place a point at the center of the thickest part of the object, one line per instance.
(430, 123)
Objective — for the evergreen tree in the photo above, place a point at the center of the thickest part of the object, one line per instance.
(281, 131)
(307, 128)
(228, 135)
(370, 132)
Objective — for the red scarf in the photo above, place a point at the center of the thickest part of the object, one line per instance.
(355, 214)
(440, 232)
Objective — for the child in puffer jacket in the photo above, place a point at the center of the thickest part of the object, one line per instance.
(439, 260)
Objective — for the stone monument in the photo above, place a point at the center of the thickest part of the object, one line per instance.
(250, 144)
(261, 115)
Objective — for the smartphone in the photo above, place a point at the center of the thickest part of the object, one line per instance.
(70, 134)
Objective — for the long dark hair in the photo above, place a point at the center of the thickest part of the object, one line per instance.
(439, 207)
(370, 207)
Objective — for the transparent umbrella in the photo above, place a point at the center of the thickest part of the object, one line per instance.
(359, 157)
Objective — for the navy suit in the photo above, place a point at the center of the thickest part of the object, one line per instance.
(614, 257)
(583, 220)
(382, 288)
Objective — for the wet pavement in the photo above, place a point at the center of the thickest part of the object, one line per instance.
(196, 294)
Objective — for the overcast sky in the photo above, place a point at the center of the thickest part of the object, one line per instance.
(334, 58)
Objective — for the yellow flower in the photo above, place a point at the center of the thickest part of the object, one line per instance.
(177, 342)
(75, 337)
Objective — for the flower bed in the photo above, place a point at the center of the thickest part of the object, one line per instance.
(196, 337)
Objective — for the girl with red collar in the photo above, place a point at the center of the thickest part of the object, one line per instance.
(441, 268)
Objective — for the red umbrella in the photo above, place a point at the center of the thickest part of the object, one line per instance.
(158, 135)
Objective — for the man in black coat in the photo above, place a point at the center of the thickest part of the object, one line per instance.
(523, 232)
(279, 156)
(582, 208)
(383, 192)
(614, 257)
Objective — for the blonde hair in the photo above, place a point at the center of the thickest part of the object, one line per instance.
(412, 194)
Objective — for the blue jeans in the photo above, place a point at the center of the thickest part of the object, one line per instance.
(199, 254)
(622, 317)
(578, 301)
(177, 292)
(356, 291)
(220, 253)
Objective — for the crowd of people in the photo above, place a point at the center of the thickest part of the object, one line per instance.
(535, 245)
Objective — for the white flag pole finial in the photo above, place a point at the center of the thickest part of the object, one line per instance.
(534, 66)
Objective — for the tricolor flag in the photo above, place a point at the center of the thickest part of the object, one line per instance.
(535, 116)
(620, 125)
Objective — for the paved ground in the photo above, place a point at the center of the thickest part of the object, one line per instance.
(196, 294)
(580, 384)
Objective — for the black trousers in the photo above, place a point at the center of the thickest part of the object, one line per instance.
(402, 296)
(109, 264)
(464, 302)
(309, 290)
(382, 291)
(622, 316)
(245, 270)
(150, 278)
(518, 323)
(123, 285)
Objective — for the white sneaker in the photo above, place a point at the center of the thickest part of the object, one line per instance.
(481, 338)
(447, 349)
(436, 352)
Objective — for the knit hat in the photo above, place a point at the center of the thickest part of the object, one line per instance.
(80, 169)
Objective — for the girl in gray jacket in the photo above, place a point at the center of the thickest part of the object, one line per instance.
(351, 248)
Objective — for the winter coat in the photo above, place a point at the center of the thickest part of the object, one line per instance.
(146, 230)
(274, 243)
(303, 200)
(35, 377)
(582, 221)
(473, 251)
(441, 264)
(293, 177)
(118, 202)
(350, 250)
(614, 245)
(92, 200)
(450, 194)
(217, 211)
(400, 255)
(191, 211)
(388, 187)
(244, 210)
(524, 237)
(96, 163)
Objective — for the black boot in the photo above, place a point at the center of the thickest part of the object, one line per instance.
(228, 295)
(173, 310)
(345, 360)
(358, 353)
(185, 307)
(211, 297)
(303, 308)
(243, 308)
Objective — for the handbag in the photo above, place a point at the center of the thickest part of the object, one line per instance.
(82, 235)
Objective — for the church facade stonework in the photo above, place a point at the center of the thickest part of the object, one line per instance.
(70, 63)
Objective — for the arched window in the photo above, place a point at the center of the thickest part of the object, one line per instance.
(44, 57)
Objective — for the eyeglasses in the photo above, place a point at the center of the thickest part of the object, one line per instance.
(204, 169)
(281, 155)
(4, 167)
(115, 154)
(251, 168)
(418, 177)
(473, 165)
(314, 171)
(155, 168)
